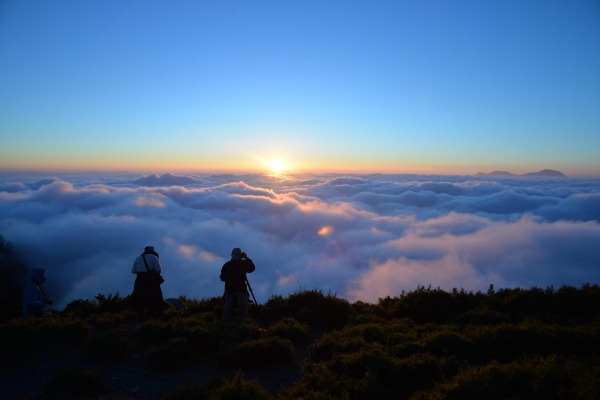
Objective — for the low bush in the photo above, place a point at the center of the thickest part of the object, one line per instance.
(256, 352)
(534, 377)
(175, 352)
(112, 304)
(109, 319)
(19, 335)
(289, 328)
(203, 341)
(233, 387)
(73, 382)
(109, 345)
(311, 307)
(275, 308)
(320, 383)
(209, 305)
(156, 332)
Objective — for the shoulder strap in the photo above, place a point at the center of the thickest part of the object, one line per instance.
(145, 263)
(39, 287)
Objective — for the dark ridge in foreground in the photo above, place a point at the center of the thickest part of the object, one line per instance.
(545, 173)
(424, 344)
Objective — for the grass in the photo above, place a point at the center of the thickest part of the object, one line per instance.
(73, 382)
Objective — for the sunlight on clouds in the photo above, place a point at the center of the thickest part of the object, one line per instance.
(325, 231)
(149, 202)
(208, 256)
(188, 250)
(286, 280)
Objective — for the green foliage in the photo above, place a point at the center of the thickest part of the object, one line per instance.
(173, 353)
(14, 275)
(109, 319)
(19, 335)
(256, 352)
(111, 304)
(156, 332)
(206, 305)
(73, 382)
(233, 387)
(109, 345)
(424, 344)
(426, 305)
(311, 307)
(289, 328)
(534, 377)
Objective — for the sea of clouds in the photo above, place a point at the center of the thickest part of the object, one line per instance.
(361, 236)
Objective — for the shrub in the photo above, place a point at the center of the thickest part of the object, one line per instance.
(109, 319)
(263, 351)
(158, 332)
(109, 345)
(275, 308)
(316, 309)
(311, 307)
(19, 335)
(14, 275)
(336, 342)
(203, 341)
(531, 378)
(102, 304)
(289, 328)
(320, 383)
(73, 382)
(234, 387)
(238, 388)
(206, 305)
(426, 305)
(174, 352)
(483, 316)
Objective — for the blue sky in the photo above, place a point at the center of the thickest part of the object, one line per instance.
(443, 87)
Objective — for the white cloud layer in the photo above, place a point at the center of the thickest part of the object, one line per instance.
(363, 237)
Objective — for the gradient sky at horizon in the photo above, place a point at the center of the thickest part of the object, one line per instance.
(445, 87)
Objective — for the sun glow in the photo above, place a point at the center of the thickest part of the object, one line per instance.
(277, 165)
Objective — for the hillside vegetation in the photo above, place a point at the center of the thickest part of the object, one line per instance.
(424, 344)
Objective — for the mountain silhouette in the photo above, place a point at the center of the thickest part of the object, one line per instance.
(545, 173)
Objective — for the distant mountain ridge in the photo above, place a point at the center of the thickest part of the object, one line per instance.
(545, 173)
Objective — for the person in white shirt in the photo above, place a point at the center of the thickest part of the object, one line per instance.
(146, 292)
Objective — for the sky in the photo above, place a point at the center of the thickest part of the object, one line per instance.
(363, 237)
(189, 87)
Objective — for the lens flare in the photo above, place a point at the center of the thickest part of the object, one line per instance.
(325, 231)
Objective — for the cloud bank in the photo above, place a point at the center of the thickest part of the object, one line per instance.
(362, 236)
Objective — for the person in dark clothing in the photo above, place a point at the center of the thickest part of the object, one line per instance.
(146, 292)
(34, 298)
(233, 274)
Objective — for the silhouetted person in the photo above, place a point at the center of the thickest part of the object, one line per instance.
(233, 274)
(34, 298)
(146, 291)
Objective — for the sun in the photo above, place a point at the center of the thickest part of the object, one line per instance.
(277, 165)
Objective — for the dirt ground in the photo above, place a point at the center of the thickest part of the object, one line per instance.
(132, 376)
